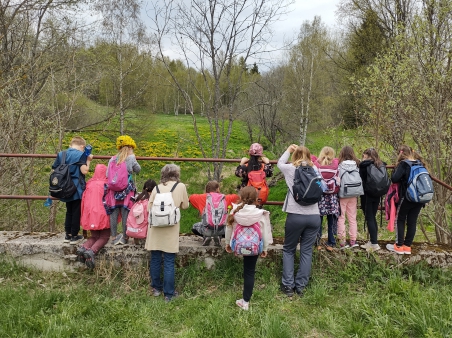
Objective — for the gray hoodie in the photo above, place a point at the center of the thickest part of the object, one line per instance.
(247, 216)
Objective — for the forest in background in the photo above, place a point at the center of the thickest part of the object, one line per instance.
(72, 66)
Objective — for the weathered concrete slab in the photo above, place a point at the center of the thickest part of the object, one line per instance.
(47, 251)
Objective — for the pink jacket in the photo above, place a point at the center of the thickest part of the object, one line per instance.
(93, 215)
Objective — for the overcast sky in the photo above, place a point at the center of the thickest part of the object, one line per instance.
(288, 28)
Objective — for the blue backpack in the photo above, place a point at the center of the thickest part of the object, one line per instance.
(420, 185)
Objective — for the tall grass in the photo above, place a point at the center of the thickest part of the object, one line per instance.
(349, 296)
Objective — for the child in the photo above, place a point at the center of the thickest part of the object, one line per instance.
(254, 171)
(407, 211)
(246, 214)
(94, 218)
(302, 225)
(79, 168)
(198, 201)
(329, 204)
(348, 162)
(370, 203)
(122, 202)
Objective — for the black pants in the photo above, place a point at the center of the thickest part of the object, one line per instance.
(249, 269)
(370, 209)
(72, 222)
(407, 212)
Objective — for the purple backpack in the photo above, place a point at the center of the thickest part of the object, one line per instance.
(118, 176)
(247, 240)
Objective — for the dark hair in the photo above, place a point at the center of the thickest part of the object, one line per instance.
(248, 195)
(255, 163)
(212, 186)
(347, 154)
(149, 185)
(372, 153)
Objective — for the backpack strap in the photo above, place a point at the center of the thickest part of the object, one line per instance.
(174, 187)
(157, 189)
(63, 157)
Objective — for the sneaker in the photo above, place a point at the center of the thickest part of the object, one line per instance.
(288, 291)
(216, 241)
(329, 248)
(80, 254)
(406, 250)
(89, 256)
(366, 246)
(206, 241)
(119, 240)
(67, 238)
(169, 299)
(343, 245)
(156, 292)
(395, 248)
(298, 291)
(353, 244)
(76, 239)
(242, 304)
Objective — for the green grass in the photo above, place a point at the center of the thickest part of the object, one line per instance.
(350, 296)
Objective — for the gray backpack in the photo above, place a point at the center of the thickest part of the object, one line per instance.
(351, 183)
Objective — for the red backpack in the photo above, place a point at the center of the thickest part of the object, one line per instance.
(256, 179)
(118, 176)
(137, 220)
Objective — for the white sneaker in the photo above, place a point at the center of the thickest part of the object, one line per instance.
(373, 248)
(242, 304)
(366, 246)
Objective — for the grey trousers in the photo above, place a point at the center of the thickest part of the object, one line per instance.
(303, 229)
(114, 221)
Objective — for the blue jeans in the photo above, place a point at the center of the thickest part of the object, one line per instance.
(332, 230)
(169, 271)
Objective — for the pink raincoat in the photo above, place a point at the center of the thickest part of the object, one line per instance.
(93, 212)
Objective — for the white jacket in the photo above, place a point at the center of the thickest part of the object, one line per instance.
(247, 216)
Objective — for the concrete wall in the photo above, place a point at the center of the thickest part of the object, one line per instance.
(46, 251)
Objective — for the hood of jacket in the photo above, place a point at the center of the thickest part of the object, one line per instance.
(100, 173)
(348, 165)
(366, 163)
(248, 215)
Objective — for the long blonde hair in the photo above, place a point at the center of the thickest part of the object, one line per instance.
(326, 156)
(301, 154)
(122, 154)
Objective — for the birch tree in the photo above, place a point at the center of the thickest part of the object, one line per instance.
(210, 36)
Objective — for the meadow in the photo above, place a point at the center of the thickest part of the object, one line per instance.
(349, 295)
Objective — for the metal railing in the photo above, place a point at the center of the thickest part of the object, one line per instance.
(165, 159)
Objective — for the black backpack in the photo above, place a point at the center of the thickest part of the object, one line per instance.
(377, 183)
(306, 189)
(61, 184)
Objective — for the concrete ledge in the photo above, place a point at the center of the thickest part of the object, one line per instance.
(46, 251)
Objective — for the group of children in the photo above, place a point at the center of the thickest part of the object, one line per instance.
(239, 218)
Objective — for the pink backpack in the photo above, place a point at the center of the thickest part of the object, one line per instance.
(215, 212)
(137, 221)
(330, 178)
(118, 176)
(247, 240)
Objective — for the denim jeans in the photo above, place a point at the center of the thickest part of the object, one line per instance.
(155, 267)
(332, 229)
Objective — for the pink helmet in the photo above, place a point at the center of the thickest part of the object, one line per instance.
(256, 149)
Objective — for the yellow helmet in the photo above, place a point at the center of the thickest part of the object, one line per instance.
(125, 140)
